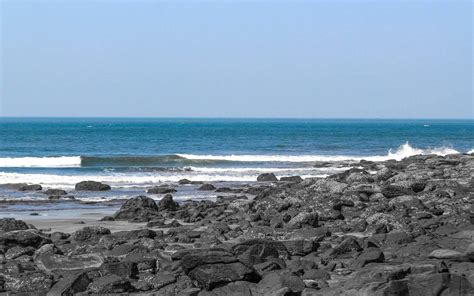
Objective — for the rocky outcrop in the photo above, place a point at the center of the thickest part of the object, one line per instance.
(405, 229)
(140, 208)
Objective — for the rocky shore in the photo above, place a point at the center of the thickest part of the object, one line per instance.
(386, 228)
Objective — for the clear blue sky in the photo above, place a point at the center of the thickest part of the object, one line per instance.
(396, 59)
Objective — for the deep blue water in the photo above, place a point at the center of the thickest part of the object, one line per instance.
(154, 137)
(136, 153)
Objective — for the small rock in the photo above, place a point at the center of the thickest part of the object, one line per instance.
(207, 187)
(267, 177)
(34, 187)
(91, 186)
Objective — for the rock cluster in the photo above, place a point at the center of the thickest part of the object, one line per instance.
(389, 228)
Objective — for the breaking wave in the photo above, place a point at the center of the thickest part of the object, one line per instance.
(187, 160)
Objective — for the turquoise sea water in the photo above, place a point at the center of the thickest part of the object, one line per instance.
(132, 154)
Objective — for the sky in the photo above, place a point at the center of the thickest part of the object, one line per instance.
(301, 59)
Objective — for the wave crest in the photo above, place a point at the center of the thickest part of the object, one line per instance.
(44, 162)
(186, 160)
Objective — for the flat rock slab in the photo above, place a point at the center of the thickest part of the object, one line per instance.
(56, 262)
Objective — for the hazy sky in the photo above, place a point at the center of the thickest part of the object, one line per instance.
(237, 59)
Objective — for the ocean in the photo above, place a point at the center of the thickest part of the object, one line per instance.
(133, 154)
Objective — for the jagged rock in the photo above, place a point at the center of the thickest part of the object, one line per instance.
(23, 238)
(10, 224)
(267, 177)
(17, 251)
(140, 206)
(369, 255)
(91, 186)
(349, 245)
(70, 284)
(167, 203)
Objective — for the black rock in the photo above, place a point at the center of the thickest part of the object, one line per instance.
(391, 191)
(24, 238)
(28, 283)
(295, 179)
(89, 233)
(33, 187)
(91, 186)
(55, 192)
(267, 177)
(122, 269)
(161, 190)
(167, 203)
(184, 182)
(71, 284)
(9, 224)
(109, 284)
(207, 187)
(141, 207)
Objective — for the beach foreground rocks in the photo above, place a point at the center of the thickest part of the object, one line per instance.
(389, 228)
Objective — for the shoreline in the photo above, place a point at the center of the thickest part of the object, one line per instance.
(379, 227)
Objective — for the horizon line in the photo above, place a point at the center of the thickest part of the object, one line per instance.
(235, 117)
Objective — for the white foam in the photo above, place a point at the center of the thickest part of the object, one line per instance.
(470, 151)
(263, 169)
(45, 162)
(403, 151)
(124, 180)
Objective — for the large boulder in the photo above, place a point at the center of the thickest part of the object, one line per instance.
(23, 238)
(214, 268)
(267, 177)
(167, 203)
(10, 224)
(141, 207)
(91, 186)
